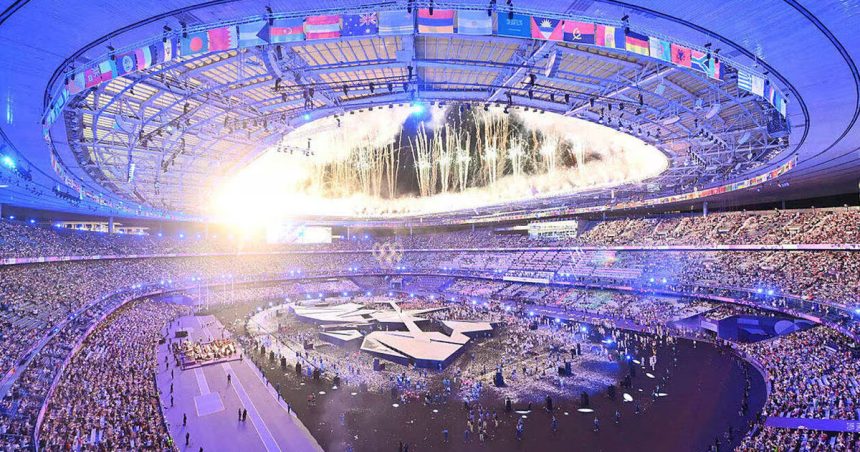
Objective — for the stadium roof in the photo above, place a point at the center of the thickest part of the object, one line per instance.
(155, 141)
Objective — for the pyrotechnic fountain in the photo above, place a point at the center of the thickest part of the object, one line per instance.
(398, 160)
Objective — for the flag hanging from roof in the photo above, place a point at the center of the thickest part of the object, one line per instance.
(360, 24)
(706, 63)
(775, 97)
(440, 21)
(126, 63)
(660, 49)
(609, 36)
(284, 30)
(194, 43)
(681, 55)
(516, 25)
(475, 23)
(750, 82)
(636, 43)
(167, 51)
(250, 34)
(107, 68)
(322, 27)
(76, 83)
(782, 105)
(395, 23)
(769, 91)
(579, 32)
(144, 57)
(101, 73)
(223, 38)
(547, 29)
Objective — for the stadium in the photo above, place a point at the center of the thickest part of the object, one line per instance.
(347, 225)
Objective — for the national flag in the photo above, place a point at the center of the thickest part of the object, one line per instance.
(636, 43)
(681, 55)
(769, 91)
(194, 43)
(716, 69)
(547, 29)
(251, 34)
(103, 72)
(609, 36)
(126, 63)
(706, 63)
(224, 38)
(782, 105)
(144, 57)
(474, 23)
(76, 83)
(700, 61)
(441, 21)
(108, 70)
(660, 49)
(360, 24)
(579, 32)
(395, 23)
(516, 25)
(284, 30)
(166, 52)
(322, 27)
(750, 82)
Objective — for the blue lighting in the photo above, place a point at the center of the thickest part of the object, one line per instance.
(181, 235)
(770, 291)
(8, 162)
(664, 280)
(416, 108)
(306, 116)
(759, 290)
(32, 221)
(651, 280)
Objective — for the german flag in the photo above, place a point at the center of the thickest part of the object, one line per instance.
(636, 43)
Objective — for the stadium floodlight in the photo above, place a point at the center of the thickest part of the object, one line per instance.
(8, 162)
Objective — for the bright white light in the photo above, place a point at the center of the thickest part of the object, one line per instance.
(279, 186)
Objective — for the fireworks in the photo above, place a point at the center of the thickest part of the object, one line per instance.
(388, 162)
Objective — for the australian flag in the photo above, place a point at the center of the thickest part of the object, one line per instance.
(360, 24)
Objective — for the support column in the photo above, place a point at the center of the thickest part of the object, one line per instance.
(705, 209)
(110, 225)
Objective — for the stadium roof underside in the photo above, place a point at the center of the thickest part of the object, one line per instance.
(155, 141)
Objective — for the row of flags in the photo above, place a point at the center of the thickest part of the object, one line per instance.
(387, 23)
(752, 83)
(620, 38)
